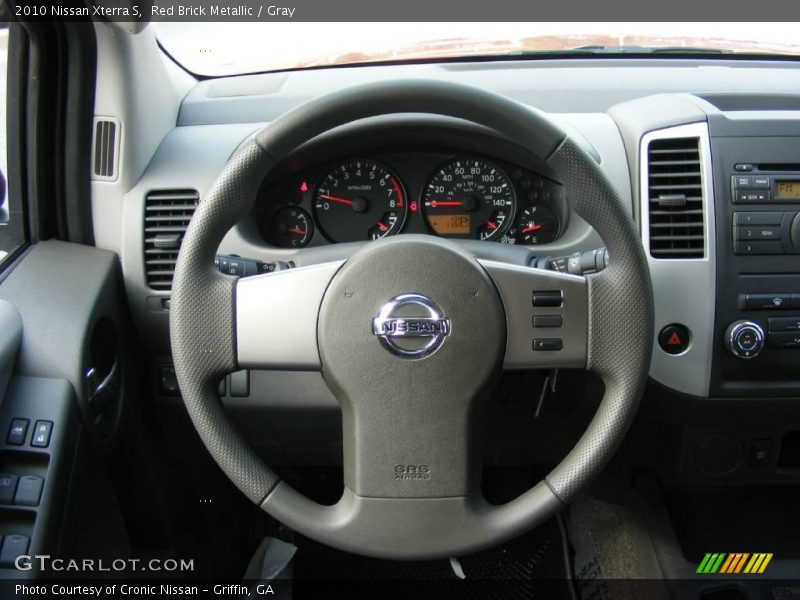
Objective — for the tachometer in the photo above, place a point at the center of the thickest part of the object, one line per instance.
(360, 200)
(469, 198)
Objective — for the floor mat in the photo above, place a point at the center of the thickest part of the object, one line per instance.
(532, 566)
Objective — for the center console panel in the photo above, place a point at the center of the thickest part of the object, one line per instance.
(757, 323)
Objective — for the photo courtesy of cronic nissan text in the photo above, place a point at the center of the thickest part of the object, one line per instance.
(353, 300)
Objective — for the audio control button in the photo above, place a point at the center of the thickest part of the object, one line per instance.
(757, 218)
(758, 233)
(751, 197)
(744, 339)
(761, 181)
(758, 247)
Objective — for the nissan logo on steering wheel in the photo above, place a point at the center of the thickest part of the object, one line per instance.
(411, 326)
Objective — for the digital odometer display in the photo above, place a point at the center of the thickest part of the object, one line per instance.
(469, 198)
(787, 190)
(449, 224)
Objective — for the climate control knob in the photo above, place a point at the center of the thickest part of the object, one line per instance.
(744, 339)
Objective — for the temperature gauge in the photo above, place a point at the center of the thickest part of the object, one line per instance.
(291, 228)
(536, 224)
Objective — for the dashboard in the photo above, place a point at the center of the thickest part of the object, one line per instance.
(443, 192)
(670, 137)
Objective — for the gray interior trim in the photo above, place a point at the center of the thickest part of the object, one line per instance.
(10, 338)
(551, 85)
(684, 289)
(60, 290)
(142, 88)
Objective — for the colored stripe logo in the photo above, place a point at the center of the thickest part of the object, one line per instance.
(734, 563)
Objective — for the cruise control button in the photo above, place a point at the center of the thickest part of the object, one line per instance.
(547, 321)
(547, 345)
(549, 298)
(674, 339)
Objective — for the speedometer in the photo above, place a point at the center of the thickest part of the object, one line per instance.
(469, 198)
(359, 200)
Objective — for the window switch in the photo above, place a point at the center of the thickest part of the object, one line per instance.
(41, 434)
(13, 546)
(8, 485)
(29, 490)
(17, 432)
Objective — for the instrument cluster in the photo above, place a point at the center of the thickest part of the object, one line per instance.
(440, 193)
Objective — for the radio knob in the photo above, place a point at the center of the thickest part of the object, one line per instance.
(796, 232)
(744, 339)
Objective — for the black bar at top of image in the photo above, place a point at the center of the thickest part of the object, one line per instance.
(403, 11)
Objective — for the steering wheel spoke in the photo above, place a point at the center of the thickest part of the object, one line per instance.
(276, 317)
(546, 316)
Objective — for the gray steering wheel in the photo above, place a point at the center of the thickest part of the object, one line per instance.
(409, 334)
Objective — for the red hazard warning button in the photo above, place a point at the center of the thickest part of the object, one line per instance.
(674, 339)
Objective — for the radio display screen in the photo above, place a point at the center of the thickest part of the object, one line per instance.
(787, 190)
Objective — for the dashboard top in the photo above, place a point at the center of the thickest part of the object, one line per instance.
(551, 85)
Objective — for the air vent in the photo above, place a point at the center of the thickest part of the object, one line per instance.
(166, 217)
(675, 189)
(105, 148)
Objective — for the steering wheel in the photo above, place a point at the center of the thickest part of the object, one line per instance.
(409, 334)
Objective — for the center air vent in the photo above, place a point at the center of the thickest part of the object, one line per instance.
(166, 217)
(675, 189)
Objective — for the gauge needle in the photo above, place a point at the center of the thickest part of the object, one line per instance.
(435, 203)
(296, 231)
(491, 224)
(382, 227)
(530, 228)
(336, 199)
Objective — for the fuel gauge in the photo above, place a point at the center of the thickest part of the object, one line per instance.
(291, 228)
(537, 224)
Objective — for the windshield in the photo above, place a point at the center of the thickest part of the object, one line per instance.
(217, 49)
